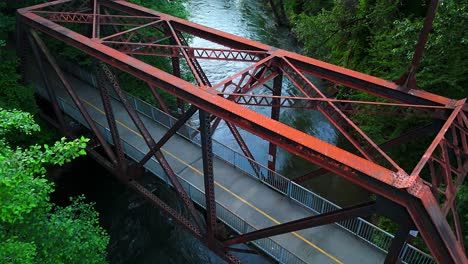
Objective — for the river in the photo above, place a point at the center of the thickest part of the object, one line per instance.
(142, 234)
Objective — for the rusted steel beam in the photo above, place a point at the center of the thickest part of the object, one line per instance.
(334, 115)
(114, 27)
(45, 5)
(50, 91)
(171, 132)
(109, 113)
(309, 102)
(458, 227)
(406, 110)
(94, 33)
(193, 52)
(365, 83)
(311, 175)
(207, 154)
(393, 255)
(83, 18)
(256, 75)
(429, 152)
(75, 98)
(194, 61)
(175, 61)
(158, 98)
(308, 222)
(275, 115)
(199, 77)
(204, 79)
(103, 161)
(119, 34)
(408, 80)
(441, 240)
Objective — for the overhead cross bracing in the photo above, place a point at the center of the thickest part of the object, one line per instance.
(115, 32)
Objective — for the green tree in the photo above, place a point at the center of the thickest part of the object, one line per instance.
(443, 69)
(340, 34)
(32, 228)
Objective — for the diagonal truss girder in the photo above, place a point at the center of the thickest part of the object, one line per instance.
(421, 205)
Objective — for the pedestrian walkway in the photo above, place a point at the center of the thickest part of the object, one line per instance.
(246, 197)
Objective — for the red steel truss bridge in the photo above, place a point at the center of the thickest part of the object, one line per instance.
(122, 39)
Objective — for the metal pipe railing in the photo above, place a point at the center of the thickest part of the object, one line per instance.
(361, 228)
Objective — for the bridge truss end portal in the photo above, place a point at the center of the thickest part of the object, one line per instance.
(119, 36)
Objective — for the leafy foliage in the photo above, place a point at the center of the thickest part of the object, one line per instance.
(32, 229)
(443, 67)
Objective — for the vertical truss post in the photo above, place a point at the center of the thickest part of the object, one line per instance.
(275, 115)
(96, 7)
(76, 99)
(109, 113)
(50, 91)
(408, 80)
(398, 242)
(207, 153)
(176, 72)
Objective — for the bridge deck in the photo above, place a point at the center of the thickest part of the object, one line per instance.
(245, 196)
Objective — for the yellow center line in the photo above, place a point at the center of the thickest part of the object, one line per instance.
(223, 187)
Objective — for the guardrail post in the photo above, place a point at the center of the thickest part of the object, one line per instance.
(189, 191)
(358, 231)
(403, 252)
(281, 256)
(107, 133)
(244, 227)
(234, 161)
(152, 114)
(289, 190)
